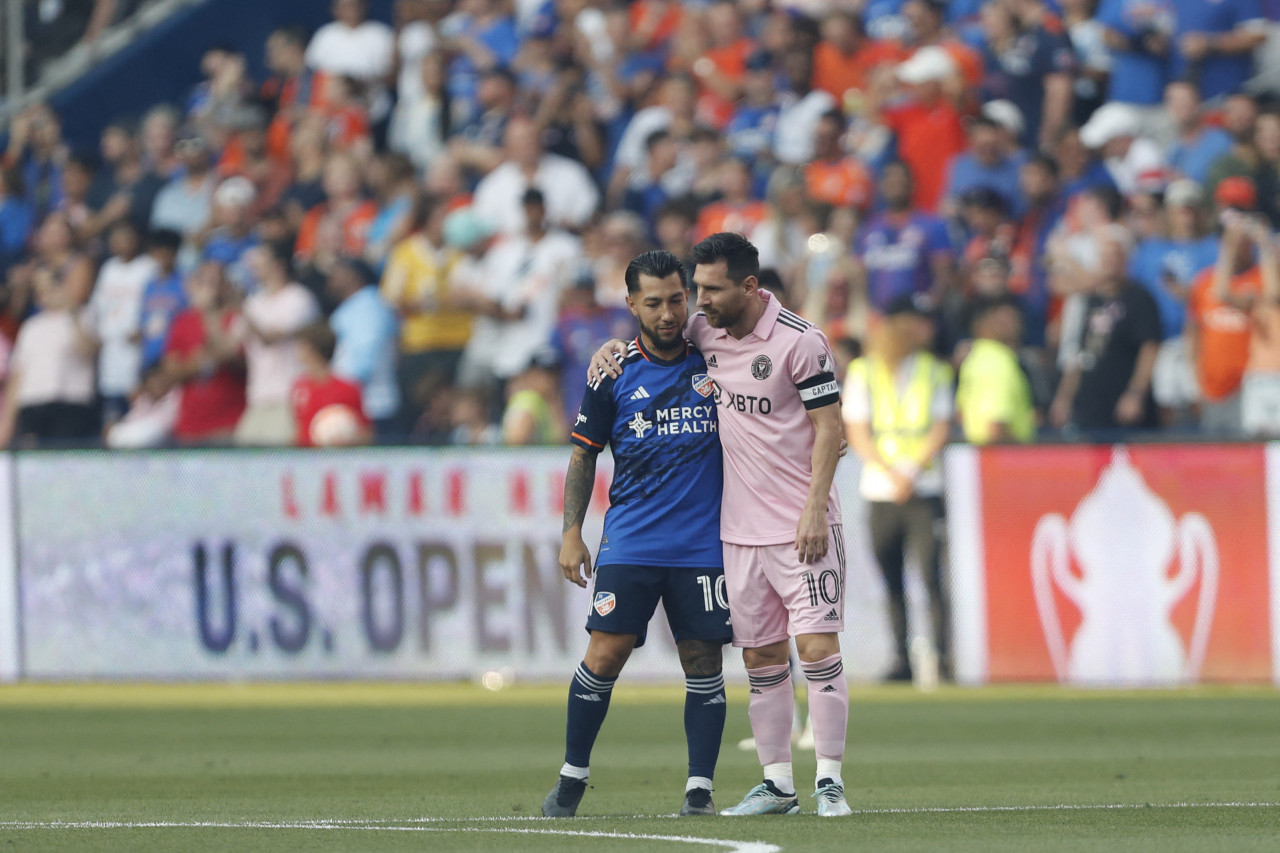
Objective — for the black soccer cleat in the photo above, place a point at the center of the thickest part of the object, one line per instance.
(697, 801)
(564, 797)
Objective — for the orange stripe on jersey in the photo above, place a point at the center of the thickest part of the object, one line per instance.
(587, 440)
(640, 349)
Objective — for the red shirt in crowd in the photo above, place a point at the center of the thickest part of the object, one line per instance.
(211, 404)
(928, 137)
(312, 395)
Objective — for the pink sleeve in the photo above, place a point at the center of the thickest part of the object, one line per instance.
(812, 368)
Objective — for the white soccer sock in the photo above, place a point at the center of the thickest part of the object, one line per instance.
(829, 768)
(575, 772)
(697, 782)
(780, 775)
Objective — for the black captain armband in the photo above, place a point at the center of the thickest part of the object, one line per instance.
(818, 391)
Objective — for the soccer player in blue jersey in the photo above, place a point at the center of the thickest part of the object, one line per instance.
(661, 534)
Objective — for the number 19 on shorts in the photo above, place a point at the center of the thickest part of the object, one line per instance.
(713, 592)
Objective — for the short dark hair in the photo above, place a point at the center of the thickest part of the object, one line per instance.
(280, 252)
(1044, 161)
(741, 258)
(164, 238)
(294, 35)
(985, 305)
(320, 338)
(658, 263)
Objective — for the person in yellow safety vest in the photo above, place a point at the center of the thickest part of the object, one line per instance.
(993, 397)
(898, 406)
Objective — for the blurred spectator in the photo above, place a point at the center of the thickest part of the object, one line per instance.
(1030, 62)
(927, 26)
(993, 396)
(163, 297)
(1196, 145)
(1107, 385)
(49, 391)
(528, 274)
(343, 205)
(984, 163)
(469, 422)
(435, 323)
(673, 228)
(290, 88)
(159, 137)
(395, 187)
(735, 210)
(720, 67)
(480, 36)
(1139, 34)
(326, 407)
(1213, 43)
(1078, 168)
(367, 342)
(17, 219)
(582, 326)
(204, 360)
(984, 213)
(673, 112)
(36, 149)
(1260, 389)
(1166, 265)
(621, 238)
(477, 146)
(152, 413)
(114, 315)
(903, 251)
(470, 280)
(1218, 308)
(233, 236)
(824, 280)
(659, 179)
(568, 123)
(533, 411)
(833, 176)
(1093, 57)
(927, 125)
(1029, 274)
(1258, 162)
(753, 126)
(1074, 258)
(59, 258)
(1134, 162)
(309, 155)
(844, 59)
(185, 205)
(351, 45)
(415, 32)
(803, 106)
(570, 193)
(345, 116)
(124, 188)
(781, 236)
(420, 121)
(269, 323)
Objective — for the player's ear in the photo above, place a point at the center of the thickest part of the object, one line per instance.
(750, 284)
(632, 305)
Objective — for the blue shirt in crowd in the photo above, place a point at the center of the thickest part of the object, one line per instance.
(368, 344)
(162, 300)
(1217, 74)
(1156, 263)
(966, 173)
(1194, 160)
(1138, 77)
(897, 253)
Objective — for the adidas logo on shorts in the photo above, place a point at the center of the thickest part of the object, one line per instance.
(755, 691)
(828, 689)
(833, 616)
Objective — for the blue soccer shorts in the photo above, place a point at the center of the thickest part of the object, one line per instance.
(625, 597)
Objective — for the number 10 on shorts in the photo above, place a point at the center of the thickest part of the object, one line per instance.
(825, 586)
(713, 587)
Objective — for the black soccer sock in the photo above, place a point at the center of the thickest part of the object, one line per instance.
(704, 714)
(588, 703)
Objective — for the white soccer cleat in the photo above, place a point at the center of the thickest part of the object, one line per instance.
(831, 802)
(765, 799)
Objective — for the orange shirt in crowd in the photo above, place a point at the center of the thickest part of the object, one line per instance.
(1224, 333)
(731, 62)
(928, 137)
(968, 60)
(840, 183)
(667, 16)
(723, 216)
(355, 229)
(836, 72)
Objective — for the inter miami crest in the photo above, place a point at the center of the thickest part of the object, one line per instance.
(761, 367)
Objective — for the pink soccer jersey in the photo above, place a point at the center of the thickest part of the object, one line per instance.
(765, 383)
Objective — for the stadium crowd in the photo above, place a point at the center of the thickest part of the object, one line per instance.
(416, 231)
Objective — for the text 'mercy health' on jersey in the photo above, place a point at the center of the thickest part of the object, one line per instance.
(660, 419)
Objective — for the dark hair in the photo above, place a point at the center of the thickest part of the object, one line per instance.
(320, 338)
(1044, 161)
(659, 135)
(533, 195)
(424, 205)
(280, 252)
(987, 304)
(297, 36)
(741, 258)
(981, 120)
(1109, 198)
(658, 263)
(164, 238)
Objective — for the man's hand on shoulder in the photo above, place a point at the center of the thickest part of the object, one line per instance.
(607, 361)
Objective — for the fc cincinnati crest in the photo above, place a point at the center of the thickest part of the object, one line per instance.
(761, 367)
(605, 602)
(703, 384)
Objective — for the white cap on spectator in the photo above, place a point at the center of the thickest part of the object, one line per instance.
(928, 64)
(1006, 114)
(235, 192)
(1108, 122)
(1183, 192)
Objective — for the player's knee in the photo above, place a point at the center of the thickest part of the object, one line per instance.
(700, 658)
(772, 655)
(816, 647)
(608, 653)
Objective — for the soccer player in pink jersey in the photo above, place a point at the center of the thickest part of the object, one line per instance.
(784, 554)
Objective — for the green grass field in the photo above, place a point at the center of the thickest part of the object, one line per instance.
(450, 768)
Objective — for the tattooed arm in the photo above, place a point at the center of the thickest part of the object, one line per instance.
(578, 483)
